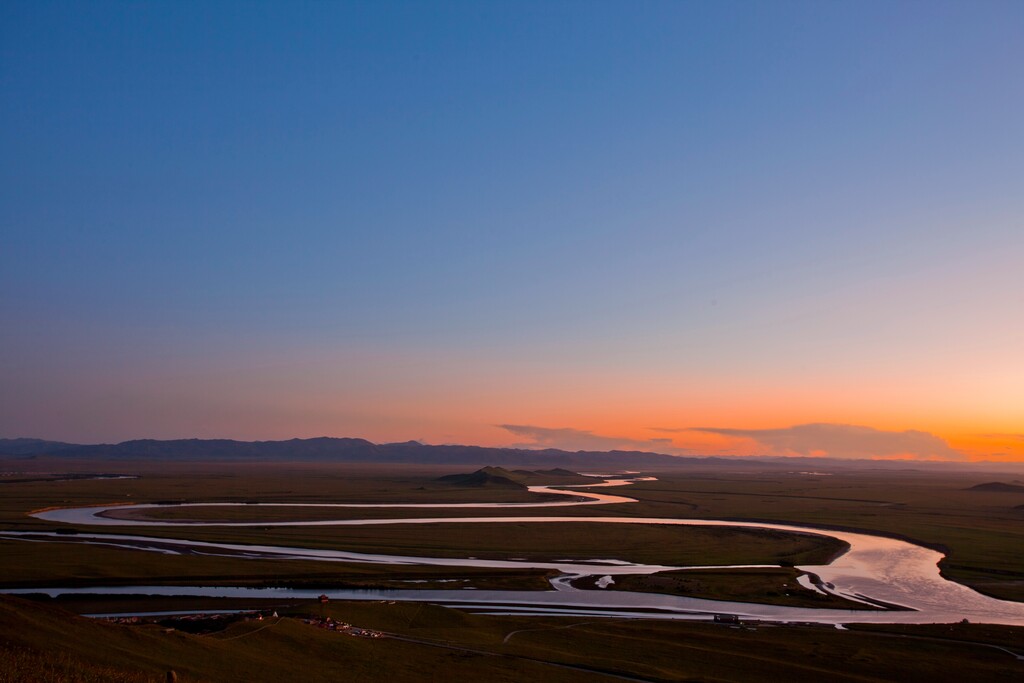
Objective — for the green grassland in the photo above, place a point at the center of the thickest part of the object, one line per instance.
(27, 565)
(981, 531)
(546, 542)
(768, 586)
(429, 643)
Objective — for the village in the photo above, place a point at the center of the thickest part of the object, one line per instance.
(331, 624)
(207, 623)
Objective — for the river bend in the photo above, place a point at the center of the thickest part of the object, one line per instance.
(875, 568)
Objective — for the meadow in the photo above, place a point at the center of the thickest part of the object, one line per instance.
(981, 532)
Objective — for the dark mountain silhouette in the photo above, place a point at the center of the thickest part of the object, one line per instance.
(32, 446)
(348, 450)
(998, 486)
(486, 477)
(557, 475)
(341, 450)
(501, 477)
(556, 472)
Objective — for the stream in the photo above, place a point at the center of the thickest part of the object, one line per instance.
(875, 569)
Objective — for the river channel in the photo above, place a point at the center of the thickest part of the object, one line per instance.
(875, 569)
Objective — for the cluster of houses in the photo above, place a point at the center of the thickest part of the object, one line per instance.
(327, 623)
(331, 624)
(209, 621)
(124, 620)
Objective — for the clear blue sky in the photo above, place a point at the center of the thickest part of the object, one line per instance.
(420, 220)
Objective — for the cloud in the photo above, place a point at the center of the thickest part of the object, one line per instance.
(1008, 457)
(569, 439)
(1003, 436)
(844, 441)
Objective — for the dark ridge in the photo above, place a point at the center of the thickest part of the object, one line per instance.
(489, 477)
(559, 472)
(64, 476)
(499, 476)
(997, 486)
(18, 447)
(345, 450)
(349, 450)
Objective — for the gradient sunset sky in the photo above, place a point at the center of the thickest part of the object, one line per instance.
(688, 227)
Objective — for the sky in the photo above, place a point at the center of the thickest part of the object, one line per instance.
(732, 228)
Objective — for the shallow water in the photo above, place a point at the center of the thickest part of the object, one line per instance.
(882, 569)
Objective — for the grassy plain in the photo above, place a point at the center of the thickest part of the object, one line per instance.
(429, 643)
(26, 565)
(543, 542)
(769, 586)
(980, 530)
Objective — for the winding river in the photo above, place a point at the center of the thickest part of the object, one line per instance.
(875, 569)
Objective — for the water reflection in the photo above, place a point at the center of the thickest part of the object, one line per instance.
(877, 568)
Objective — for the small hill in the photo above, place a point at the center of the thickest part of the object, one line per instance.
(998, 487)
(558, 475)
(501, 477)
(556, 472)
(489, 477)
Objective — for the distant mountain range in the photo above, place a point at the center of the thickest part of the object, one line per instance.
(32, 446)
(326, 449)
(348, 450)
